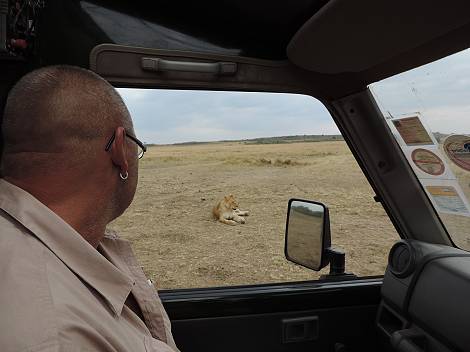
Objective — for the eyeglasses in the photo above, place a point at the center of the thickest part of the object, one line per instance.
(141, 148)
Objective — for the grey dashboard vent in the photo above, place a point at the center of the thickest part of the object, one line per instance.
(401, 260)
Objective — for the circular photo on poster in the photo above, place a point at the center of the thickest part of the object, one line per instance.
(428, 162)
(457, 148)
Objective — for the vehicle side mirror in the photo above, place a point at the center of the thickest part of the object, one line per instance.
(307, 234)
(308, 238)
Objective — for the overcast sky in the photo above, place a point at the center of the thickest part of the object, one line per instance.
(168, 116)
(440, 91)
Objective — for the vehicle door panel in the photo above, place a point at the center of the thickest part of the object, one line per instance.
(315, 315)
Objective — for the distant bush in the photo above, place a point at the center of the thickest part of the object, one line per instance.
(294, 139)
(263, 162)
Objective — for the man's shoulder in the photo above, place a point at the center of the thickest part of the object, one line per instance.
(18, 244)
(39, 294)
(27, 317)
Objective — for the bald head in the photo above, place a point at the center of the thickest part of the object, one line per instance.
(56, 125)
(58, 112)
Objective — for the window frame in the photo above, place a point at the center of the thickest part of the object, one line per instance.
(356, 115)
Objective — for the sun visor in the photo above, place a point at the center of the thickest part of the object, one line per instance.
(353, 36)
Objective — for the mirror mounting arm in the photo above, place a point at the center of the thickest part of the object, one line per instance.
(337, 261)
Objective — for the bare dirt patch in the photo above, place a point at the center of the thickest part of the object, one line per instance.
(179, 244)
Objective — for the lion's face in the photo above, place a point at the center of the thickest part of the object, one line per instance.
(231, 202)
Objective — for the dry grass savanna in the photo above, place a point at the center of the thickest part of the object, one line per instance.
(180, 245)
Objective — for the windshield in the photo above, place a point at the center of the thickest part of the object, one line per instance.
(428, 110)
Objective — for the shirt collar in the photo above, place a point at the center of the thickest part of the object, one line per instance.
(67, 244)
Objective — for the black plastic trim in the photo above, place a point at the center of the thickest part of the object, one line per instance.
(364, 129)
(272, 298)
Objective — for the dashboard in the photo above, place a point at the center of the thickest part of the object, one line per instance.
(425, 298)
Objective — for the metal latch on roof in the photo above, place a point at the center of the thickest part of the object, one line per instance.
(161, 65)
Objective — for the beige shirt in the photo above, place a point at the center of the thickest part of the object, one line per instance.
(58, 293)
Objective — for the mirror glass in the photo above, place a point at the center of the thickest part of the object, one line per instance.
(304, 233)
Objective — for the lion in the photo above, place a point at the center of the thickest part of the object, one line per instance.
(227, 211)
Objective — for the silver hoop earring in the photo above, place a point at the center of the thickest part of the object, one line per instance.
(125, 176)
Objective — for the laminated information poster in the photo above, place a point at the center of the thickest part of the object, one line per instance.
(412, 131)
(457, 148)
(428, 162)
(448, 199)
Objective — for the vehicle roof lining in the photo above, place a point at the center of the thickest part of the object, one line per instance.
(330, 71)
(448, 44)
(260, 29)
(335, 72)
(377, 38)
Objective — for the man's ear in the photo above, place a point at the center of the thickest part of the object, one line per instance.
(119, 150)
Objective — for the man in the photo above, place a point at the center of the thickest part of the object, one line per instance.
(69, 167)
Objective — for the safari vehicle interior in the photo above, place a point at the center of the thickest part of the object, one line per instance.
(331, 50)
